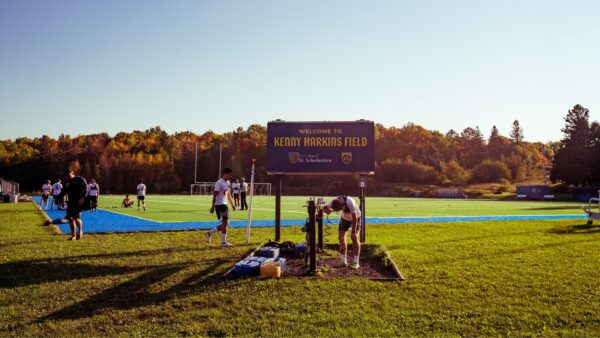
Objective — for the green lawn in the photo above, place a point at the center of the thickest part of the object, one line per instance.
(470, 279)
(196, 208)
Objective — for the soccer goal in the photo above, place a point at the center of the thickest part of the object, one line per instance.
(207, 188)
(202, 188)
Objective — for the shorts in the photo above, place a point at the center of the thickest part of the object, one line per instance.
(73, 213)
(222, 212)
(141, 198)
(94, 202)
(347, 225)
(236, 196)
(45, 197)
(57, 199)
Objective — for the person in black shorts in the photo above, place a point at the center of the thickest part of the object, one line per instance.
(350, 220)
(75, 188)
(219, 205)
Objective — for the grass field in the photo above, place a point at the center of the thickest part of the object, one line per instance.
(470, 279)
(196, 208)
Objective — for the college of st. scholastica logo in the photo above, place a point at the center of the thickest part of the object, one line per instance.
(293, 157)
(346, 158)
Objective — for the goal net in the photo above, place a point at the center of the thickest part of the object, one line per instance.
(207, 188)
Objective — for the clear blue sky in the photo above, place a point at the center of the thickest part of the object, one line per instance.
(79, 67)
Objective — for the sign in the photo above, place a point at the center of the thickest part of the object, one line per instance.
(320, 147)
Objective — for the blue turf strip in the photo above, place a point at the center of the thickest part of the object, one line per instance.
(108, 221)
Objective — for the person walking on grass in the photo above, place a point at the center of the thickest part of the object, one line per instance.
(219, 204)
(46, 188)
(141, 194)
(235, 187)
(243, 193)
(75, 188)
(350, 220)
(94, 193)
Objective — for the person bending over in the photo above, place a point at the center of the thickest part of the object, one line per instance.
(350, 220)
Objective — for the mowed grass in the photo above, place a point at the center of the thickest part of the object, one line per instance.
(196, 208)
(470, 279)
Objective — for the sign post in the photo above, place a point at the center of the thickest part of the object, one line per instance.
(320, 148)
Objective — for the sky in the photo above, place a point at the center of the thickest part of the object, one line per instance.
(82, 67)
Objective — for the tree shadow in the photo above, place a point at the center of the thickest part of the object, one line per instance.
(558, 207)
(576, 229)
(134, 293)
(32, 272)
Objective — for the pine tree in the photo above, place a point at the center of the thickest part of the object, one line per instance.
(572, 162)
(516, 134)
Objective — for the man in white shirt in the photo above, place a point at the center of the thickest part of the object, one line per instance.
(243, 193)
(219, 203)
(94, 193)
(350, 220)
(46, 188)
(56, 200)
(235, 187)
(141, 194)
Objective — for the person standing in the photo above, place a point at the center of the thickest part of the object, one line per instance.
(46, 188)
(243, 192)
(235, 187)
(219, 204)
(94, 193)
(56, 189)
(76, 189)
(350, 220)
(141, 194)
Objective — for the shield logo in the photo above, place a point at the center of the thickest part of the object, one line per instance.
(346, 158)
(293, 157)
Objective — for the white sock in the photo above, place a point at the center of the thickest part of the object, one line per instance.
(356, 259)
(343, 258)
(223, 237)
(213, 230)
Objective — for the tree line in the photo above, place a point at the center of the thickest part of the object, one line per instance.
(407, 154)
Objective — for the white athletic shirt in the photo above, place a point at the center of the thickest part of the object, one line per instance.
(244, 187)
(352, 207)
(46, 189)
(236, 188)
(141, 189)
(221, 188)
(93, 189)
(56, 188)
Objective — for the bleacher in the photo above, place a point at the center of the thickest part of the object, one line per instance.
(449, 193)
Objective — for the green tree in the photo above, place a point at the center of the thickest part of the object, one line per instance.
(573, 162)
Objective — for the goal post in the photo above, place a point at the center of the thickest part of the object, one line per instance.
(206, 188)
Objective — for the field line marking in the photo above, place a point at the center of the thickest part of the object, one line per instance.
(142, 218)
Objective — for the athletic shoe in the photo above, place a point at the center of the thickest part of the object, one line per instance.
(73, 238)
(207, 235)
(79, 235)
(354, 265)
(341, 265)
(226, 244)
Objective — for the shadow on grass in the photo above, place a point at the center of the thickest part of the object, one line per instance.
(135, 293)
(576, 229)
(558, 207)
(32, 272)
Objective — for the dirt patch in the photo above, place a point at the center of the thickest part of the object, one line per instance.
(375, 264)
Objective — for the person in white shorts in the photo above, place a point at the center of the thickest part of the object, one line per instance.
(141, 194)
(350, 220)
(219, 204)
(56, 200)
(46, 189)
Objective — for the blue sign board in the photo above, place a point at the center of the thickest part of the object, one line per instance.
(320, 147)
